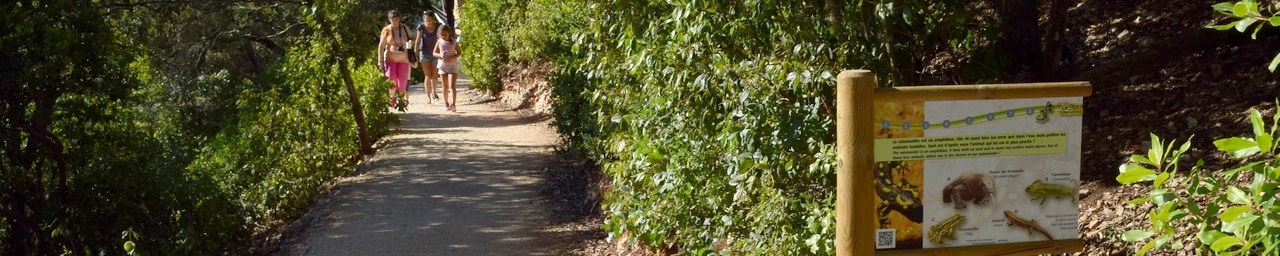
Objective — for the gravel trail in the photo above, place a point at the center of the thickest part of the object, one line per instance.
(444, 183)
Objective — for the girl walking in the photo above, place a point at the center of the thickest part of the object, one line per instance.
(447, 51)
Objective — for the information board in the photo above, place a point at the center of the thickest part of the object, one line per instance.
(976, 172)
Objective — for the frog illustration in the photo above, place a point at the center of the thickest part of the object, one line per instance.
(946, 229)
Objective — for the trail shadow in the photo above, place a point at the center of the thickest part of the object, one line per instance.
(434, 198)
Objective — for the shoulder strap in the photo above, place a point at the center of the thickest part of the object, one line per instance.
(405, 29)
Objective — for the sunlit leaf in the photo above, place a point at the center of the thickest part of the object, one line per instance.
(1132, 172)
(1224, 243)
(1238, 147)
(1136, 235)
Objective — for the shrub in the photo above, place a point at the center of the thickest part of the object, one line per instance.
(1234, 211)
(713, 118)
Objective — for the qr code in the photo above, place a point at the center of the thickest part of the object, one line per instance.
(886, 238)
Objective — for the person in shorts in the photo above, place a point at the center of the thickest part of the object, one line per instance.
(447, 52)
(426, 39)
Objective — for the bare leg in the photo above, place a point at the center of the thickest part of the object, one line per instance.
(391, 94)
(429, 78)
(451, 91)
(426, 83)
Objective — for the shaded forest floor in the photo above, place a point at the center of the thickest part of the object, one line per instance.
(1155, 69)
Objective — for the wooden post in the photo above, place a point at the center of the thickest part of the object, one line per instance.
(855, 187)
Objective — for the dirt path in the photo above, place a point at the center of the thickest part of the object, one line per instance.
(444, 184)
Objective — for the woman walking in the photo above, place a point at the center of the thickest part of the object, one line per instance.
(426, 39)
(393, 53)
(447, 51)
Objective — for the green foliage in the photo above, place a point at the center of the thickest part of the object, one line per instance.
(543, 29)
(1245, 14)
(713, 118)
(483, 49)
(180, 144)
(500, 32)
(1235, 211)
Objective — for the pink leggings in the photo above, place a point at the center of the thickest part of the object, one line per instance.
(399, 74)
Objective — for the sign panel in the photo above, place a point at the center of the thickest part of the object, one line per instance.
(976, 172)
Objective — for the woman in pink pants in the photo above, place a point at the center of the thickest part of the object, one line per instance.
(393, 46)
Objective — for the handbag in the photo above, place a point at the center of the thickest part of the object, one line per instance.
(413, 55)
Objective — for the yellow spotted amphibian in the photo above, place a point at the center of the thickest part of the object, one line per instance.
(1031, 225)
(1044, 190)
(945, 229)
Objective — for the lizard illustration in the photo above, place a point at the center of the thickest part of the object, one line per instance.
(972, 186)
(1043, 190)
(1031, 225)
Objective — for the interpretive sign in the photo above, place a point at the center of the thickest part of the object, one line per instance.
(974, 172)
(957, 169)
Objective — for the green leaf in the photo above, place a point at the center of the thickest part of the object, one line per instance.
(1240, 225)
(1139, 200)
(1136, 235)
(1156, 153)
(1224, 7)
(1255, 118)
(1146, 247)
(1132, 172)
(1244, 24)
(1161, 196)
(1225, 27)
(1240, 10)
(1275, 21)
(1238, 147)
(1254, 35)
(1160, 179)
(1224, 243)
(1210, 236)
(1237, 196)
(1233, 213)
(1140, 159)
(1274, 62)
(1264, 142)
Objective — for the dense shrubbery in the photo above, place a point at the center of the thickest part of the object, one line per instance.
(501, 32)
(714, 118)
(180, 144)
(1233, 211)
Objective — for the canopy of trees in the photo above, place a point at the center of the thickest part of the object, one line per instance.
(178, 127)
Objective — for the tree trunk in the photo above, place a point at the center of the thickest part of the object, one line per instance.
(1020, 36)
(1054, 39)
(362, 130)
(835, 15)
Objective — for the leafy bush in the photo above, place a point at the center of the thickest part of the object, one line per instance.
(293, 137)
(500, 32)
(112, 152)
(484, 50)
(713, 118)
(1235, 211)
(542, 30)
(1247, 14)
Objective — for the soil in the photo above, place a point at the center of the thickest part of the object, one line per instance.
(1155, 69)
